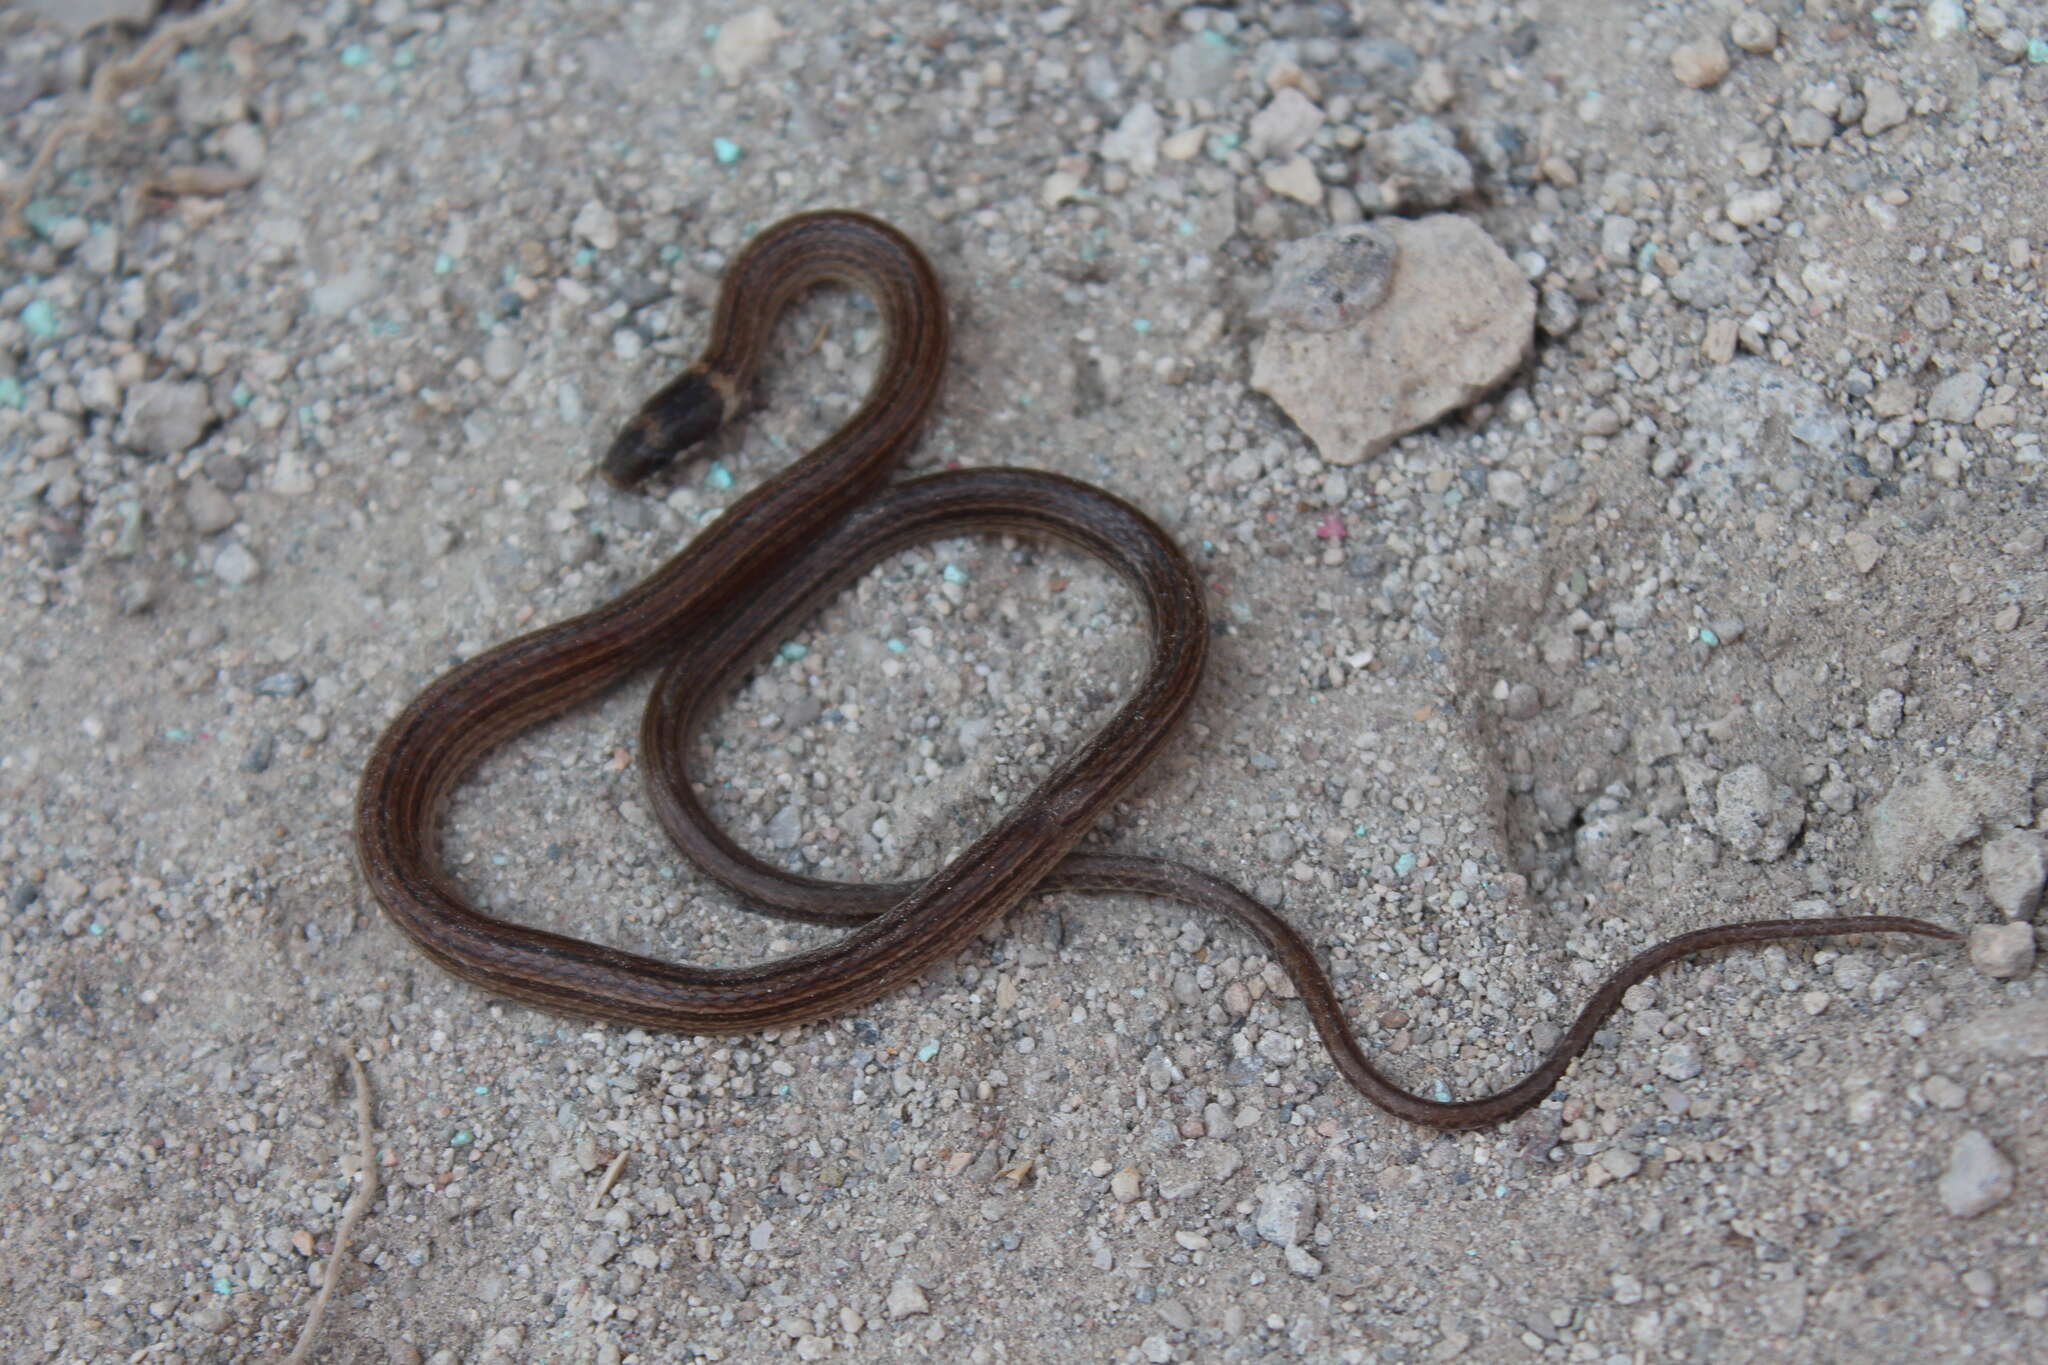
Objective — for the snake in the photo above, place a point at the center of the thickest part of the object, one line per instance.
(711, 611)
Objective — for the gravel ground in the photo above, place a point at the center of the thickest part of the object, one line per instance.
(1731, 601)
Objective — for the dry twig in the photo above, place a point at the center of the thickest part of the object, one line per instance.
(358, 1204)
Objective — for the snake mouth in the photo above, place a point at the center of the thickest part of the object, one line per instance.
(683, 414)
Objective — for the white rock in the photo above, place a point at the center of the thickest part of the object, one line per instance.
(1285, 125)
(1978, 1178)
(1750, 207)
(2003, 952)
(1680, 1061)
(2015, 869)
(235, 566)
(291, 478)
(1135, 139)
(1942, 20)
(1058, 188)
(596, 225)
(906, 1298)
(1457, 319)
(743, 41)
(1287, 1212)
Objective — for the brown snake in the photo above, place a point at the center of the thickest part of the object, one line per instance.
(771, 557)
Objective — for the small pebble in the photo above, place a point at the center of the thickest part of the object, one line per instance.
(235, 566)
(2003, 952)
(1286, 1213)
(1699, 64)
(1884, 713)
(1884, 107)
(503, 356)
(596, 225)
(1756, 815)
(210, 509)
(744, 41)
(1754, 31)
(1979, 1177)
(1748, 208)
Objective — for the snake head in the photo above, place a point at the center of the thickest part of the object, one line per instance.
(684, 413)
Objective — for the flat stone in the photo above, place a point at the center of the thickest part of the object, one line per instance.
(1895, 397)
(165, 417)
(1331, 280)
(1285, 125)
(1957, 398)
(1458, 318)
(906, 1298)
(1296, 179)
(1747, 208)
(1809, 127)
(1978, 1178)
(1884, 107)
(2015, 868)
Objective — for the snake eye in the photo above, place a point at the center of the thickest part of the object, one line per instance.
(684, 413)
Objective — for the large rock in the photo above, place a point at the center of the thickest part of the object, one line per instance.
(1938, 807)
(1456, 318)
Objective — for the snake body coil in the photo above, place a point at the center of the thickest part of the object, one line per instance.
(709, 611)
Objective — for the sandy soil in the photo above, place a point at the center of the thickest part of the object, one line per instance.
(1768, 494)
